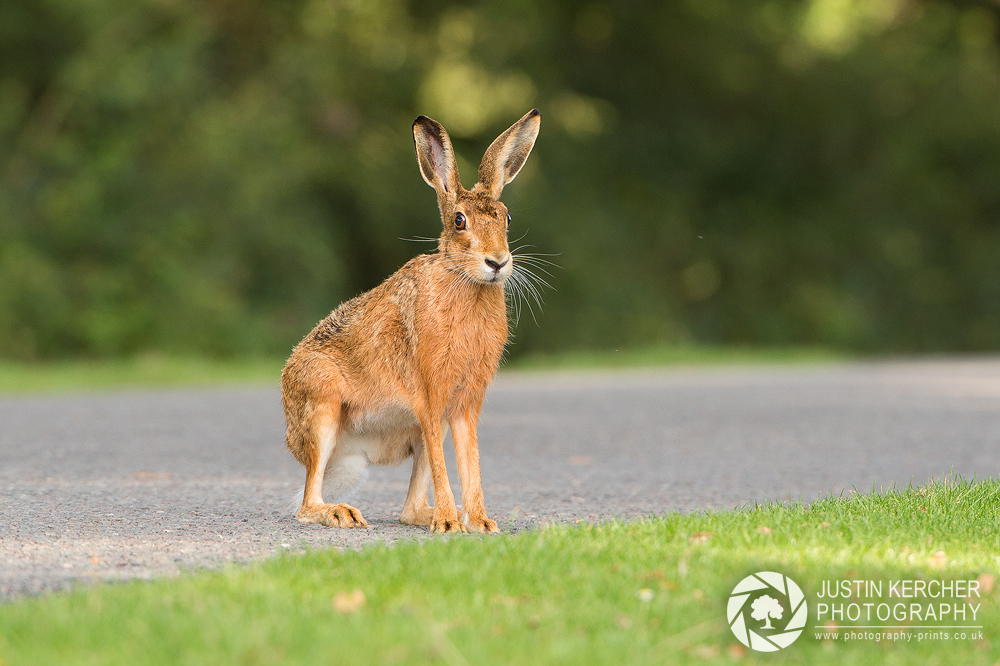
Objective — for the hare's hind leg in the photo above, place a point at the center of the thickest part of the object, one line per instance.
(321, 431)
(416, 510)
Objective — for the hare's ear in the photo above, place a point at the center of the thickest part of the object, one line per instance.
(436, 156)
(505, 156)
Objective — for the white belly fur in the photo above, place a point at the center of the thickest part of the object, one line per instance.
(383, 437)
(387, 419)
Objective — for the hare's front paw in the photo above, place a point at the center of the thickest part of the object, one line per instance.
(482, 524)
(332, 515)
(448, 525)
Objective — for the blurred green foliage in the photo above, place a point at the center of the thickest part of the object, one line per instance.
(214, 176)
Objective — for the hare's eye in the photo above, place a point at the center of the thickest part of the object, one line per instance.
(459, 221)
(508, 219)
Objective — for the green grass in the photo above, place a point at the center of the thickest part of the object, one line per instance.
(557, 595)
(57, 376)
(155, 370)
(674, 355)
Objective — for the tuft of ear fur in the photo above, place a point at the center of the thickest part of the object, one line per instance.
(505, 156)
(436, 157)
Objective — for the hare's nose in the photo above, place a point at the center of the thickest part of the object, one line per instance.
(496, 265)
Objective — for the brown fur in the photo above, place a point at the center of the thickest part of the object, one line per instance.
(376, 380)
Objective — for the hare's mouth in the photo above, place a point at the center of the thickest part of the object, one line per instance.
(492, 278)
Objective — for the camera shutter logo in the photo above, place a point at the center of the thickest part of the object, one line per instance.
(756, 609)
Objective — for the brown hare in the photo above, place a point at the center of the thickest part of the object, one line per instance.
(376, 381)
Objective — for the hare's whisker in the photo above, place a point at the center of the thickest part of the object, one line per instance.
(522, 295)
(535, 291)
(418, 239)
(525, 290)
(534, 265)
(519, 238)
(534, 255)
(530, 275)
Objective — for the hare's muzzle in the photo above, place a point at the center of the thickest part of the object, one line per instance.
(497, 268)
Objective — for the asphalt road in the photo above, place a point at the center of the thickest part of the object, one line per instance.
(144, 483)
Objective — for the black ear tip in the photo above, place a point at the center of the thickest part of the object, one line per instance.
(533, 113)
(430, 126)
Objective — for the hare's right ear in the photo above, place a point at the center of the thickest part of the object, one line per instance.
(508, 153)
(436, 157)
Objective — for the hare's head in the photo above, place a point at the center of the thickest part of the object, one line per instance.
(474, 238)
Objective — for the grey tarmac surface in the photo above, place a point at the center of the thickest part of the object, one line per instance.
(147, 483)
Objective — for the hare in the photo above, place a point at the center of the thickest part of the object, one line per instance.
(376, 380)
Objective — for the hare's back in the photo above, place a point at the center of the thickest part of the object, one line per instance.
(365, 349)
(387, 310)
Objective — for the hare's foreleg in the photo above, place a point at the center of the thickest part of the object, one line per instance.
(445, 516)
(463, 431)
(416, 510)
(321, 430)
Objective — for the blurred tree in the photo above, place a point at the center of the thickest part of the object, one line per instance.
(212, 177)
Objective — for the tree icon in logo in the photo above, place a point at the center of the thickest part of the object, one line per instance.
(764, 608)
(762, 597)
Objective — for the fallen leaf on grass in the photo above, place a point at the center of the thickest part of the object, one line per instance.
(938, 560)
(349, 602)
(707, 651)
(700, 537)
(510, 601)
(762, 529)
(986, 582)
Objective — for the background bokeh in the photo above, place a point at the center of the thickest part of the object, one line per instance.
(211, 177)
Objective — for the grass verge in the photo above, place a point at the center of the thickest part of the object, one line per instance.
(652, 591)
(155, 370)
(672, 355)
(145, 371)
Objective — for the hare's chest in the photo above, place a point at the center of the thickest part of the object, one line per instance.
(462, 337)
(476, 349)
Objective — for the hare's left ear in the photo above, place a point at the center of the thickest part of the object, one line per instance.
(505, 156)
(436, 158)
